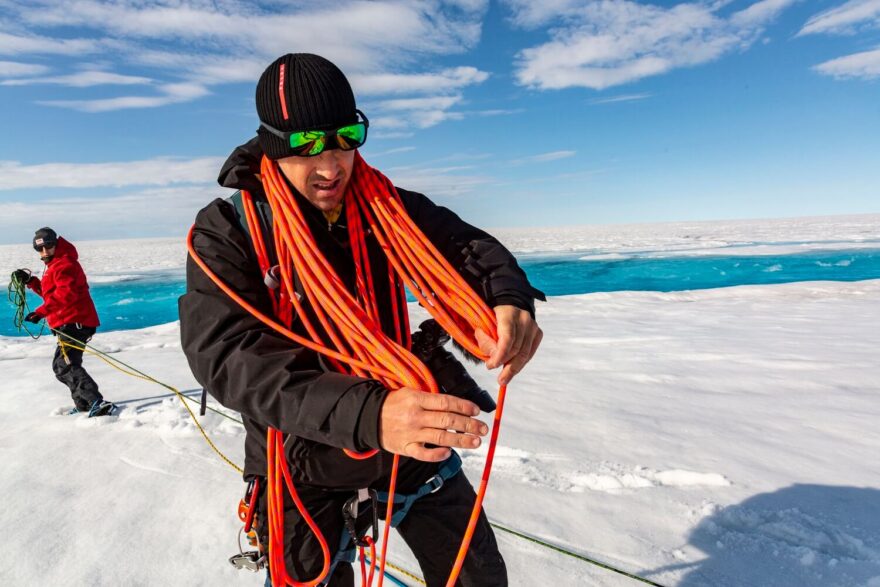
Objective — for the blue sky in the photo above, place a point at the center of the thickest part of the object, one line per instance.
(117, 115)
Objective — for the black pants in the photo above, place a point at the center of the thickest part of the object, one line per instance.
(68, 368)
(432, 529)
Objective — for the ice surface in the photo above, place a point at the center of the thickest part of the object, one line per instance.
(716, 437)
(121, 260)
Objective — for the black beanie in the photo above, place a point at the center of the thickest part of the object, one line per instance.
(301, 91)
(45, 237)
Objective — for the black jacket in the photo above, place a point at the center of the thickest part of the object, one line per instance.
(272, 381)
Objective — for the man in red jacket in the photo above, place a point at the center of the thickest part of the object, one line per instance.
(69, 310)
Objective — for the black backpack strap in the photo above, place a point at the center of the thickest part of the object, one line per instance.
(264, 216)
(237, 203)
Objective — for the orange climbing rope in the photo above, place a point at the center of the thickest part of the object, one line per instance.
(351, 334)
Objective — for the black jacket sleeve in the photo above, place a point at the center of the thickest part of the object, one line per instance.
(250, 368)
(485, 263)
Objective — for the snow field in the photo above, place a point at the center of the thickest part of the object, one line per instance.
(710, 438)
(719, 437)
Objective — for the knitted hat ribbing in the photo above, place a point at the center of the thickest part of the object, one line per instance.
(301, 91)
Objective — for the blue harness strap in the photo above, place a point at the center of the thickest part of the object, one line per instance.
(347, 551)
(402, 503)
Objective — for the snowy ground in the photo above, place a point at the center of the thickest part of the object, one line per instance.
(108, 261)
(712, 438)
(720, 437)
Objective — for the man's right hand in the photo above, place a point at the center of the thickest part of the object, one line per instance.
(411, 418)
(22, 275)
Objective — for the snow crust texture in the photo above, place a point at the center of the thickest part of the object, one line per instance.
(709, 438)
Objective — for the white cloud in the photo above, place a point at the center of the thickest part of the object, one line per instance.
(392, 151)
(603, 43)
(152, 212)
(530, 14)
(14, 69)
(497, 112)
(759, 13)
(414, 119)
(844, 19)
(416, 113)
(436, 102)
(218, 70)
(172, 94)
(400, 83)
(437, 182)
(621, 98)
(864, 65)
(385, 135)
(474, 6)
(135, 19)
(351, 27)
(158, 171)
(39, 45)
(544, 157)
(357, 35)
(383, 46)
(83, 79)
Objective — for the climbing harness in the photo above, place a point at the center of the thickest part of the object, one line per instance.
(247, 509)
(355, 342)
(252, 560)
(350, 515)
(402, 503)
(352, 540)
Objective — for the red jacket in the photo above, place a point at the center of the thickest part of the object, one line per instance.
(64, 290)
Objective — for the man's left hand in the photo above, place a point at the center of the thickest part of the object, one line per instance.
(33, 317)
(518, 339)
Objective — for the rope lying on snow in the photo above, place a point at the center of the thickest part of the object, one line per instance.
(17, 294)
(572, 554)
(134, 372)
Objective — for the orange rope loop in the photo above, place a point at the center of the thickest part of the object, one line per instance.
(351, 335)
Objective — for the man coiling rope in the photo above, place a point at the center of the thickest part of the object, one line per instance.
(295, 317)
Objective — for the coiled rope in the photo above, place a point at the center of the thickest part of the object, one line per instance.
(354, 341)
(16, 292)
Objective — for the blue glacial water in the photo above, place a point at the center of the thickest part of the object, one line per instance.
(570, 275)
(152, 299)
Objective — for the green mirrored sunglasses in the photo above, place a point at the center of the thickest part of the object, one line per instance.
(308, 143)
